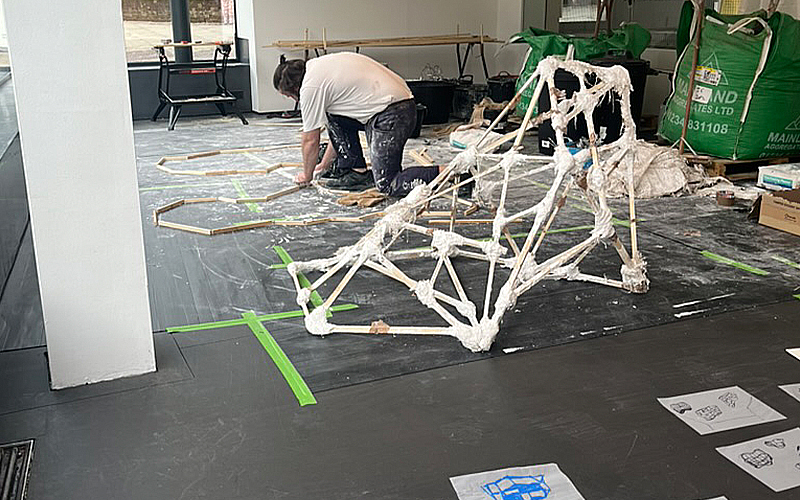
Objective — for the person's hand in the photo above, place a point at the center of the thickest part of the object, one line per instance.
(301, 179)
(319, 170)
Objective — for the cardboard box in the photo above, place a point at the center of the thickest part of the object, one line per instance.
(778, 177)
(781, 210)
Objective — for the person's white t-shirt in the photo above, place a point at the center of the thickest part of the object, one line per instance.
(347, 84)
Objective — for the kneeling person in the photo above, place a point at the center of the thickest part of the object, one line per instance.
(351, 92)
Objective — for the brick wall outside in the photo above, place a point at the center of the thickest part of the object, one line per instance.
(200, 11)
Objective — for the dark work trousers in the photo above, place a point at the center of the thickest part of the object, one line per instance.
(387, 133)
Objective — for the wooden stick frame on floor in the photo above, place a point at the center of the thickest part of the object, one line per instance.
(161, 163)
(587, 169)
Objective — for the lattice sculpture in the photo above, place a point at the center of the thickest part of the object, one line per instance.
(479, 324)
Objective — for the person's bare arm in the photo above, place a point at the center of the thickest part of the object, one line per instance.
(327, 159)
(310, 146)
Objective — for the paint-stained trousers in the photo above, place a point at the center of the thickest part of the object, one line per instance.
(387, 133)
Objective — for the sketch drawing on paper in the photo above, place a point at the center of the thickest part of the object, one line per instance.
(771, 459)
(729, 399)
(517, 488)
(475, 321)
(720, 409)
(758, 458)
(709, 412)
(779, 443)
(680, 407)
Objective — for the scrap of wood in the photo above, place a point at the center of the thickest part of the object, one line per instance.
(471, 210)
(370, 202)
(421, 157)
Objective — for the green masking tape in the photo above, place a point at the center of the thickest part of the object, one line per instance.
(240, 190)
(265, 317)
(788, 262)
(730, 262)
(295, 381)
(316, 300)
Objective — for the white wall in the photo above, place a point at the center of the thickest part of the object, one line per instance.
(658, 86)
(73, 105)
(791, 7)
(265, 21)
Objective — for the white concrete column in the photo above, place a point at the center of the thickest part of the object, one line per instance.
(74, 110)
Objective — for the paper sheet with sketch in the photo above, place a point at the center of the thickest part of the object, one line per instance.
(772, 459)
(791, 389)
(533, 481)
(719, 409)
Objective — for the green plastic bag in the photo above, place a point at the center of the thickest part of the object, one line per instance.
(746, 101)
(630, 38)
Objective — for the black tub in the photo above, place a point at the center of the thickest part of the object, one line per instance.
(436, 95)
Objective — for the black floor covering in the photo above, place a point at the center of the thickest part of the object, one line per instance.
(219, 422)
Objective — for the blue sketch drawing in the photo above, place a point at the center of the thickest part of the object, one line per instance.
(518, 488)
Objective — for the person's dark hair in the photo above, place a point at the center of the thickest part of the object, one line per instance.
(288, 77)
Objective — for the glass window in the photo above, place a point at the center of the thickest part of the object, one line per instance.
(149, 22)
(4, 62)
(212, 21)
(579, 11)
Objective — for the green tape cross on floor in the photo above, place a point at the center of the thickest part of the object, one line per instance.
(287, 369)
(264, 317)
(243, 194)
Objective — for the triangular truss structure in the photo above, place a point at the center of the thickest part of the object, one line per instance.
(587, 170)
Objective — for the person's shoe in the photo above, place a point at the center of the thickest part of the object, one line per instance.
(465, 191)
(353, 181)
(333, 173)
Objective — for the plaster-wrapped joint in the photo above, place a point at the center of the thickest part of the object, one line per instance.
(445, 242)
(476, 338)
(424, 292)
(303, 296)
(635, 277)
(317, 323)
(465, 160)
(603, 225)
(493, 250)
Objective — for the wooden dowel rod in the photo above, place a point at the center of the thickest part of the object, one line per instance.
(184, 227)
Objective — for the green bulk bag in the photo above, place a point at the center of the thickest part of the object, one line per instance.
(747, 88)
(631, 38)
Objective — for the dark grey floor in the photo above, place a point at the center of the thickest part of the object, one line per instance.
(218, 421)
(21, 323)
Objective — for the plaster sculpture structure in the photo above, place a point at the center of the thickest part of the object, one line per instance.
(477, 325)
